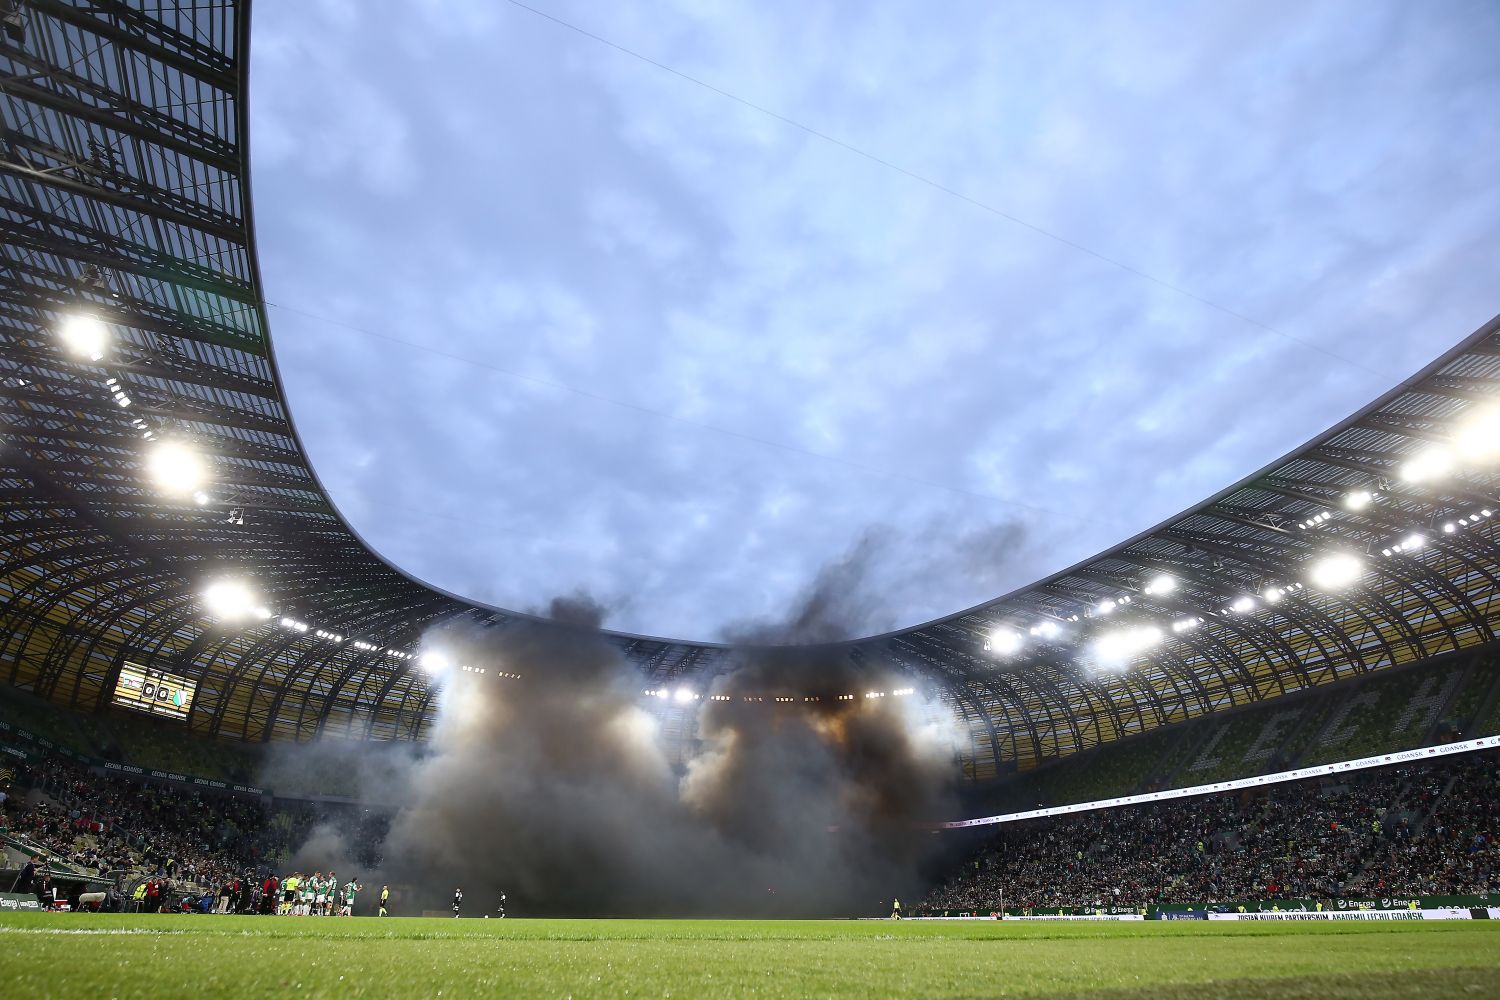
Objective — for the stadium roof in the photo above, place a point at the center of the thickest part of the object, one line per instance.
(124, 194)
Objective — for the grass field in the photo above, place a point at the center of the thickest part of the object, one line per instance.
(60, 955)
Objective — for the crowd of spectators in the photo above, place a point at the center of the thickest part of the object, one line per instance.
(125, 831)
(1429, 829)
(159, 845)
(105, 823)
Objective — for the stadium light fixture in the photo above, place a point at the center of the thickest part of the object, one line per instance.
(1118, 647)
(1004, 641)
(1358, 500)
(1336, 571)
(1430, 463)
(1047, 630)
(1243, 606)
(1162, 584)
(435, 663)
(228, 600)
(1185, 625)
(663, 693)
(1477, 438)
(85, 335)
(1105, 606)
(1272, 594)
(1449, 528)
(176, 467)
(684, 695)
(1413, 541)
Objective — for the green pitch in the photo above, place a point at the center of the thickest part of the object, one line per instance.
(61, 955)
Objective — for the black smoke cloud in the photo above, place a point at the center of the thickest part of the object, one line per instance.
(558, 790)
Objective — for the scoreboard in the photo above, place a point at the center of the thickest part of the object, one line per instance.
(158, 692)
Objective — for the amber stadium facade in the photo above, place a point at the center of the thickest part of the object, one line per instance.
(134, 345)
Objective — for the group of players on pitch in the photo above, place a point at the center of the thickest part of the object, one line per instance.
(318, 895)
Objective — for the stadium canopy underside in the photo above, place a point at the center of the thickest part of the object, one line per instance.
(124, 193)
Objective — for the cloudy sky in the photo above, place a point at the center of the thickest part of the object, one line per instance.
(967, 290)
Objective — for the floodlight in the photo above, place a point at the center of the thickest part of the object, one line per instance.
(1272, 594)
(1105, 606)
(228, 599)
(684, 695)
(1477, 439)
(1185, 625)
(1335, 571)
(85, 335)
(1047, 630)
(1358, 500)
(1116, 647)
(435, 663)
(176, 467)
(1163, 584)
(1004, 641)
(1414, 541)
(663, 693)
(264, 614)
(1244, 605)
(1430, 463)
(1449, 528)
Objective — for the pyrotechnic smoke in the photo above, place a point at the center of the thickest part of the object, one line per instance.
(557, 790)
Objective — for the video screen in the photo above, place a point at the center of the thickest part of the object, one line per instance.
(146, 689)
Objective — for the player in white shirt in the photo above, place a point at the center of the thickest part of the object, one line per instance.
(310, 893)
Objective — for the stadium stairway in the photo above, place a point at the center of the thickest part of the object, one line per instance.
(1186, 749)
(1418, 820)
(1487, 715)
(1443, 719)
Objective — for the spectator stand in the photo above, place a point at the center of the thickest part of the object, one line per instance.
(1428, 830)
(1428, 703)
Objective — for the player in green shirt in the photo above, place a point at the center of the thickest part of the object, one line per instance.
(310, 891)
(350, 888)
